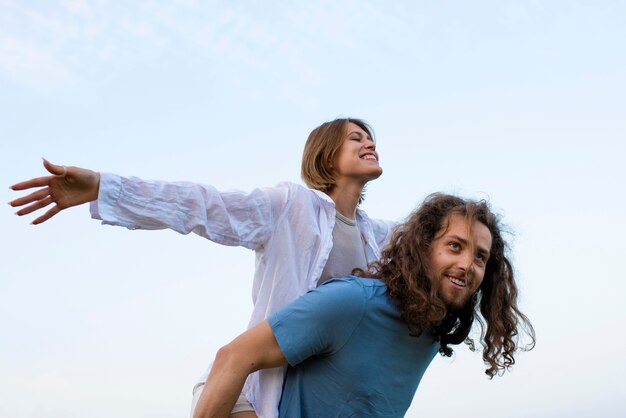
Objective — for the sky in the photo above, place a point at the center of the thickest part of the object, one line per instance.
(518, 102)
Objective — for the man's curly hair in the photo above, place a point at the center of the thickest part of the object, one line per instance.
(403, 266)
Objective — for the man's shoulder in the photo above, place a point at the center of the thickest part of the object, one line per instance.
(358, 281)
(355, 286)
(347, 294)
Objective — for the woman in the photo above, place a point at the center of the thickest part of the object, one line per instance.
(301, 236)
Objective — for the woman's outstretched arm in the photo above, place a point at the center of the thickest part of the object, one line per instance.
(65, 187)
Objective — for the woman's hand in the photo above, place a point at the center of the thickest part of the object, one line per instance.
(66, 187)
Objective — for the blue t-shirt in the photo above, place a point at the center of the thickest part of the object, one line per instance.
(349, 352)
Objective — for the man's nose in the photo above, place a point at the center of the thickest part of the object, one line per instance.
(466, 263)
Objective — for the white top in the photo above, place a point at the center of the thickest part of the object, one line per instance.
(289, 227)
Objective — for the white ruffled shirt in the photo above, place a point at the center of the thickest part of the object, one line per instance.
(288, 226)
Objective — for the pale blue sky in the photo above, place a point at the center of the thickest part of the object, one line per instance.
(521, 102)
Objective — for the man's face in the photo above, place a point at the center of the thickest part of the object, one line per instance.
(458, 259)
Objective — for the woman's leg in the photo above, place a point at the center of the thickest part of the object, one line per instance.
(242, 409)
(245, 414)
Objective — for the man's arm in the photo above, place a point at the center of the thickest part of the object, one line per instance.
(253, 350)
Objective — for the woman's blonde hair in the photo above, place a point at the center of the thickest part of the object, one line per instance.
(320, 150)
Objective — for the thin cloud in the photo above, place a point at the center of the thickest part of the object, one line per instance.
(31, 64)
(79, 40)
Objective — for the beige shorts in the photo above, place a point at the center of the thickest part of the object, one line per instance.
(242, 404)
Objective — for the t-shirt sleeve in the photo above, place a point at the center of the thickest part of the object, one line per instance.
(321, 321)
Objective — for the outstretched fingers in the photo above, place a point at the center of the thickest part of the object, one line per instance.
(33, 197)
(55, 184)
(35, 206)
(29, 184)
(54, 169)
(49, 214)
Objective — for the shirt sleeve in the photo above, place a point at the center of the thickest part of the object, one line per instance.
(321, 321)
(231, 218)
(383, 230)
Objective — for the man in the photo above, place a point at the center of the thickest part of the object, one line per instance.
(358, 346)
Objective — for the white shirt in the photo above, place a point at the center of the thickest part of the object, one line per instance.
(288, 226)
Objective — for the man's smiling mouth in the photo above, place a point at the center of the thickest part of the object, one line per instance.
(456, 281)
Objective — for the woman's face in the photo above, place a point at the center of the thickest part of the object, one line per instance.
(357, 158)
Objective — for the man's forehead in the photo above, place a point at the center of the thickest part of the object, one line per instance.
(470, 231)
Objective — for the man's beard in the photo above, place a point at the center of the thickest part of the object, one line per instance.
(456, 305)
